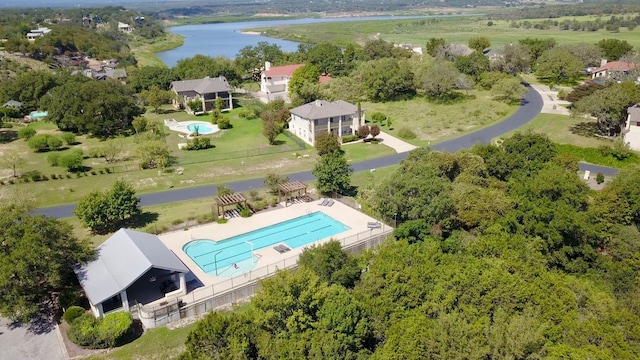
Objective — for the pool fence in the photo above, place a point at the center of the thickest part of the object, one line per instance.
(203, 300)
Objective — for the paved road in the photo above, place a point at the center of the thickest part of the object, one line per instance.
(531, 106)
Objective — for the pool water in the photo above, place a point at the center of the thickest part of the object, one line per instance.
(38, 114)
(203, 128)
(230, 255)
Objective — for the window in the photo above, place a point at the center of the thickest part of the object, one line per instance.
(330, 119)
(315, 122)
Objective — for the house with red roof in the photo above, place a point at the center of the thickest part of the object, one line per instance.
(275, 79)
(616, 70)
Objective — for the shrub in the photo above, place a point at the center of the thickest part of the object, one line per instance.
(221, 220)
(54, 142)
(54, 176)
(260, 205)
(248, 114)
(363, 131)
(326, 143)
(274, 202)
(406, 133)
(69, 138)
(72, 161)
(103, 333)
(26, 133)
(93, 172)
(374, 131)
(33, 175)
(73, 313)
(224, 123)
(599, 178)
(96, 152)
(39, 142)
(253, 195)
(272, 180)
(53, 159)
(378, 117)
(199, 143)
(349, 138)
(245, 212)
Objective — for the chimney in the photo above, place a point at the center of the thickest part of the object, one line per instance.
(603, 62)
(267, 66)
(318, 103)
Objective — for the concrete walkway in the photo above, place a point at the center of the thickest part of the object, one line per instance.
(551, 103)
(396, 144)
(18, 342)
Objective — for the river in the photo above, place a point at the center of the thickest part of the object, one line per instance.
(226, 39)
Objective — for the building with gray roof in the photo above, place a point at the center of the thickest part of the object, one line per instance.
(339, 118)
(131, 267)
(206, 91)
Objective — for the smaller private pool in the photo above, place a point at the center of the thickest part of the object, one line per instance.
(35, 115)
(234, 255)
(190, 127)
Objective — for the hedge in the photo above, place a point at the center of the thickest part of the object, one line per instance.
(73, 313)
(94, 333)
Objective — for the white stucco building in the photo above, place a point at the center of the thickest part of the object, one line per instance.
(275, 79)
(339, 118)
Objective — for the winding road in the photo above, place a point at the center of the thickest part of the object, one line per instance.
(531, 107)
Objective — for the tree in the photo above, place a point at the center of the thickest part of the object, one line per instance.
(439, 79)
(514, 59)
(99, 108)
(12, 160)
(589, 54)
(254, 57)
(558, 66)
(363, 131)
(537, 47)
(272, 180)
(37, 256)
(143, 78)
(303, 76)
(333, 173)
(106, 211)
(473, 65)
(156, 97)
(201, 66)
(271, 128)
(609, 106)
(72, 161)
(326, 143)
(614, 49)
(327, 57)
(479, 43)
(374, 131)
(379, 49)
(139, 124)
(434, 45)
(383, 80)
(152, 153)
(509, 90)
(331, 264)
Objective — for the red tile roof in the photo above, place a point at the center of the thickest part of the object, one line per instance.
(286, 70)
(616, 66)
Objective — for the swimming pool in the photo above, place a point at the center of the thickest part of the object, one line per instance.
(38, 114)
(202, 128)
(219, 257)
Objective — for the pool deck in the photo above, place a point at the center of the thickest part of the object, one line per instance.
(354, 219)
(182, 126)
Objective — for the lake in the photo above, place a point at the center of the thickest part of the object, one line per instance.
(226, 39)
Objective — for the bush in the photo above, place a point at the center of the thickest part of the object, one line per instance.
(73, 313)
(198, 143)
(103, 333)
(349, 138)
(26, 133)
(224, 123)
(599, 178)
(406, 133)
(274, 202)
(221, 220)
(245, 212)
(53, 159)
(272, 180)
(54, 142)
(39, 142)
(363, 131)
(96, 152)
(69, 138)
(33, 175)
(248, 114)
(72, 161)
(378, 117)
(260, 205)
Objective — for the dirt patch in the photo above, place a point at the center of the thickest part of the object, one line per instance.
(593, 184)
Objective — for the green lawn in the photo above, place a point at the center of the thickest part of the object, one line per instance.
(564, 129)
(453, 29)
(144, 49)
(433, 122)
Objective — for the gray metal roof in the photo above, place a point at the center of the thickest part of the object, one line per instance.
(202, 86)
(634, 112)
(321, 109)
(123, 259)
(12, 103)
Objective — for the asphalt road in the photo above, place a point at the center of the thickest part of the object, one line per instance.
(531, 106)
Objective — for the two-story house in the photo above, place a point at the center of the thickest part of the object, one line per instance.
(275, 79)
(339, 118)
(205, 91)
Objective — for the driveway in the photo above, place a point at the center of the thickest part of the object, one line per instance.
(531, 107)
(17, 342)
(393, 142)
(551, 103)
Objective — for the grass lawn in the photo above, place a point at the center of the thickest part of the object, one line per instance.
(433, 122)
(144, 49)
(452, 29)
(563, 129)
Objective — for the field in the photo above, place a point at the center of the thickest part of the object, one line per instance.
(434, 122)
(144, 50)
(453, 29)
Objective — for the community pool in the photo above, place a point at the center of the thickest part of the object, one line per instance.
(220, 258)
(38, 114)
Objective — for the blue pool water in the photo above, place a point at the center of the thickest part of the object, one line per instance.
(203, 128)
(38, 114)
(218, 258)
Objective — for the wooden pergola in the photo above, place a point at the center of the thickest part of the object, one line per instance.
(230, 200)
(291, 187)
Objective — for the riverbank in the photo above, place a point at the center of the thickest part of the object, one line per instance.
(145, 50)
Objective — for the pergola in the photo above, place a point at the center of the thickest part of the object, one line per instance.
(291, 187)
(230, 200)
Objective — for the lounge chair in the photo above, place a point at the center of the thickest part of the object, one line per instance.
(374, 225)
(329, 203)
(324, 202)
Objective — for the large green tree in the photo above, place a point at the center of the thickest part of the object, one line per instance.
(99, 108)
(156, 97)
(557, 66)
(614, 49)
(201, 66)
(383, 80)
(106, 211)
(303, 79)
(327, 57)
(439, 79)
(37, 256)
(609, 106)
(333, 173)
(143, 78)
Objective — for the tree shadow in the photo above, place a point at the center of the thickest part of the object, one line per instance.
(144, 219)
(134, 333)
(278, 142)
(587, 129)
(7, 136)
(449, 98)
